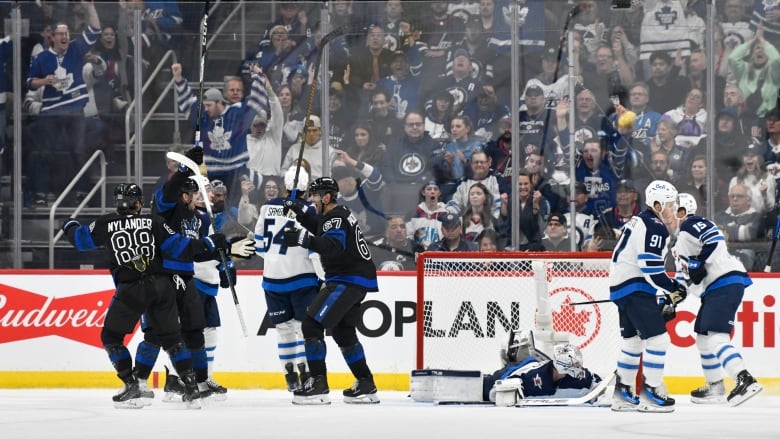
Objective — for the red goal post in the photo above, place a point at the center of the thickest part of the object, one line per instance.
(467, 302)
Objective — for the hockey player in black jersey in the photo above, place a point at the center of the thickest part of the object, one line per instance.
(349, 275)
(147, 259)
(175, 203)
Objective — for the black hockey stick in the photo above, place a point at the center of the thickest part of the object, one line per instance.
(330, 36)
(589, 302)
(204, 33)
(775, 233)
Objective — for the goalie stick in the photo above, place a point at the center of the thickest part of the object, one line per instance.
(580, 401)
(184, 160)
(589, 302)
(330, 36)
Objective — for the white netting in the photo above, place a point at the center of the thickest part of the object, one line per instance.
(468, 302)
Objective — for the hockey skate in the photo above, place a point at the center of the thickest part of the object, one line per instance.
(147, 395)
(747, 387)
(655, 399)
(362, 392)
(174, 387)
(314, 392)
(623, 398)
(217, 391)
(192, 395)
(130, 396)
(291, 378)
(303, 374)
(710, 393)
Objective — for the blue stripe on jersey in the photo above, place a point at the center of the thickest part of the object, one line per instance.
(83, 239)
(733, 278)
(511, 369)
(355, 280)
(288, 285)
(339, 234)
(635, 285)
(162, 206)
(174, 245)
(649, 257)
(714, 239)
(206, 288)
(652, 270)
(321, 313)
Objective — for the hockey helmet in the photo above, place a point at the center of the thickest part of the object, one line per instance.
(126, 195)
(190, 185)
(567, 360)
(324, 185)
(660, 191)
(687, 202)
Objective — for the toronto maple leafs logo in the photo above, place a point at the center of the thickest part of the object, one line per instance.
(220, 139)
(666, 17)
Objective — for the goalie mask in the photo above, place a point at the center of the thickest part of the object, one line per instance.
(126, 196)
(567, 360)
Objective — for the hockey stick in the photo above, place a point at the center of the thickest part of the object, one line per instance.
(580, 401)
(330, 36)
(590, 302)
(768, 266)
(204, 32)
(186, 161)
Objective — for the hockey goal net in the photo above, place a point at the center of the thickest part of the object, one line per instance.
(468, 302)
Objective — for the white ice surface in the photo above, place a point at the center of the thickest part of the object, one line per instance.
(85, 414)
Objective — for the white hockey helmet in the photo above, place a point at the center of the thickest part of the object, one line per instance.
(303, 179)
(660, 191)
(202, 179)
(567, 360)
(687, 202)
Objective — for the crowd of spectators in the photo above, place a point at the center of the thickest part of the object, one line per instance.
(419, 118)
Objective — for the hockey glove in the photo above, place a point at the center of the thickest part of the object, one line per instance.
(696, 270)
(195, 154)
(227, 274)
(668, 308)
(68, 224)
(678, 295)
(296, 237)
(242, 247)
(216, 242)
(296, 207)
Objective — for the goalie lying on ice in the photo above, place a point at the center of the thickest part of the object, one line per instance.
(533, 374)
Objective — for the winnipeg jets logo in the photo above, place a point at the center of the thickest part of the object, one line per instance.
(537, 381)
(411, 164)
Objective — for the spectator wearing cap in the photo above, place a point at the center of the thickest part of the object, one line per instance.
(424, 227)
(533, 116)
(403, 83)
(452, 236)
(556, 236)
(486, 112)
(264, 141)
(312, 148)
(475, 44)
(359, 185)
(626, 207)
(584, 220)
(295, 20)
(394, 251)
(665, 84)
(223, 129)
(753, 175)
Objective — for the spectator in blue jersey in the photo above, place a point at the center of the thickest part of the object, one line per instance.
(486, 112)
(223, 129)
(61, 120)
(646, 118)
(595, 170)
(452, 236)
(403, 83)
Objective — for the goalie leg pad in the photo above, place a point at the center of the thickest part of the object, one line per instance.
(437, 385)
(507, 392)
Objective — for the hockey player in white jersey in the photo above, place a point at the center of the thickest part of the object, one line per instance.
(636, 274)
(291, 279)
(702, 258)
